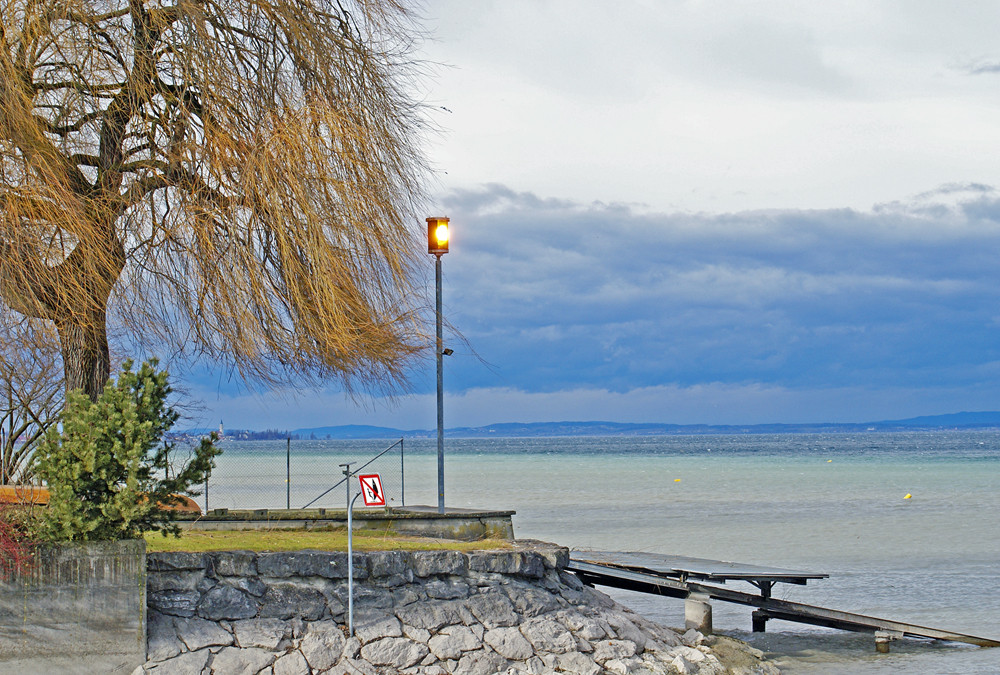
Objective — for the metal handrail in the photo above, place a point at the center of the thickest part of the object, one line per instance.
(341, 481)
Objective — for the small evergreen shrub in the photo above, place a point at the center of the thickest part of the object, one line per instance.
(106, 469)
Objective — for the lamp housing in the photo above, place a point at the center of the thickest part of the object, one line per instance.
(437, 235)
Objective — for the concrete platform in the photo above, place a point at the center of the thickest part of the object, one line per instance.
(424, 521)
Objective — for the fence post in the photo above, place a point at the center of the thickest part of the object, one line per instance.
(166, 459)
(288, 475)
(402, 476)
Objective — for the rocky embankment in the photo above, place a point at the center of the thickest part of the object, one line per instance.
(427, 613)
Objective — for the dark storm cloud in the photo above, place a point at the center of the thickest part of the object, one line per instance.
(557, 295)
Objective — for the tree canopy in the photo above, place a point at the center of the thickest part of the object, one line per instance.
(235, 178)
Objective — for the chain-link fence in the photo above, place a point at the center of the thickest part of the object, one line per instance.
(296, 474)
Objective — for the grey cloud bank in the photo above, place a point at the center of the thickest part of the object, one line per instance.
(600, 295)
(611, 311)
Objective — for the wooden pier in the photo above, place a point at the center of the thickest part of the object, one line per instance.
(684, 577)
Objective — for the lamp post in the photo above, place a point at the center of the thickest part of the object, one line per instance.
(437, 244)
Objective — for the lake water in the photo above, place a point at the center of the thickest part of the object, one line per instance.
(831, 503)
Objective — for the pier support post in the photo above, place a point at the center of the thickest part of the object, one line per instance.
(758, 620)
(698, 613)
(883, 638)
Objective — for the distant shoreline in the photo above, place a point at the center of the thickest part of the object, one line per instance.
(954, 422)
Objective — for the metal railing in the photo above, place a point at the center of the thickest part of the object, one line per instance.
(368, 466)
(298, 474)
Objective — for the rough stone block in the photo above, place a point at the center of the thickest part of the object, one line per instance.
(575, 662)
(262, 633)
(388, 564)
(429, 563)
(607, 650)
(232, 563)
(431, 615)
(330, 565)
(189, 663)
(366, 596)
(159, 562)
(417, 634)
(404, 596)
(236, 660)
(397, 652)
(450, 589)
(481, 663)
(175, 603)
(509, 643)
(371, 625)
(554, 557)
(571, 580)
(286, 600)
(532, 565)
(530, 600)
(501, 562)
(226, 602)
(162, 643)
(548, 635)
(452, 641)
(292, 663)
(353, 667)
(322, 645)
(174, 580)
(198, 633)
(625, 629)
(250, 585)
(493, 609)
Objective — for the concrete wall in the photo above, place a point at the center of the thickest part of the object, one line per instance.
(425, 521)
(81, 609)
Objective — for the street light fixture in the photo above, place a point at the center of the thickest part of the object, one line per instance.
(437, 243)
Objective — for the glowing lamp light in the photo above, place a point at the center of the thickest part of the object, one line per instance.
(437, 235)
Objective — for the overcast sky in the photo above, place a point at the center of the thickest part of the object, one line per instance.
(704, 212)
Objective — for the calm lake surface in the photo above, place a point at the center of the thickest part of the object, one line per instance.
(830, 503)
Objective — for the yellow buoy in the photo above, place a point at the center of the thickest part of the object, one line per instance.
(829, 460)
(908, 496)
(677, 480)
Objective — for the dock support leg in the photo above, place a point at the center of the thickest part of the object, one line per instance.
(759, 620)
(883, 638)
(698, 613)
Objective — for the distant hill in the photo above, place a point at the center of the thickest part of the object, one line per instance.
(962, 420)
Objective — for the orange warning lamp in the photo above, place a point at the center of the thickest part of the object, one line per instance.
(437, 235)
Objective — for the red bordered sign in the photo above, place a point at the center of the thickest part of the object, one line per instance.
(371, 489)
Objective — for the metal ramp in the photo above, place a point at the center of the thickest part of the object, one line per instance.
(682, 577)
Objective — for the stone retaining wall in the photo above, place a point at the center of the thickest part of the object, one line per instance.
(511, 611)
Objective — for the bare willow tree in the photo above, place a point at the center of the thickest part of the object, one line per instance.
(31, 391)
(233, 177)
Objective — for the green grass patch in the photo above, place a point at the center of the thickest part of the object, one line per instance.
(335, 539)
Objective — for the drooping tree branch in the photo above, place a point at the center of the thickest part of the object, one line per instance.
(237, 178)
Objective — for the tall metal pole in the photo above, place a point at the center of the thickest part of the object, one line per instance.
(440, 382)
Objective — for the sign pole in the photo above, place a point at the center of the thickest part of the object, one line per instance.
(371, 490)
(350, 565)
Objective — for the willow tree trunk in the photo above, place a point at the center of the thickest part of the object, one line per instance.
(85, 354)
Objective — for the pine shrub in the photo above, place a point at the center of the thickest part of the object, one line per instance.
(106, 468)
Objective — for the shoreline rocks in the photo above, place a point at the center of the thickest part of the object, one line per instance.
(421, 613)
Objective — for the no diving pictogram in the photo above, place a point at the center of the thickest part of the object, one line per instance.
(371, 489)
